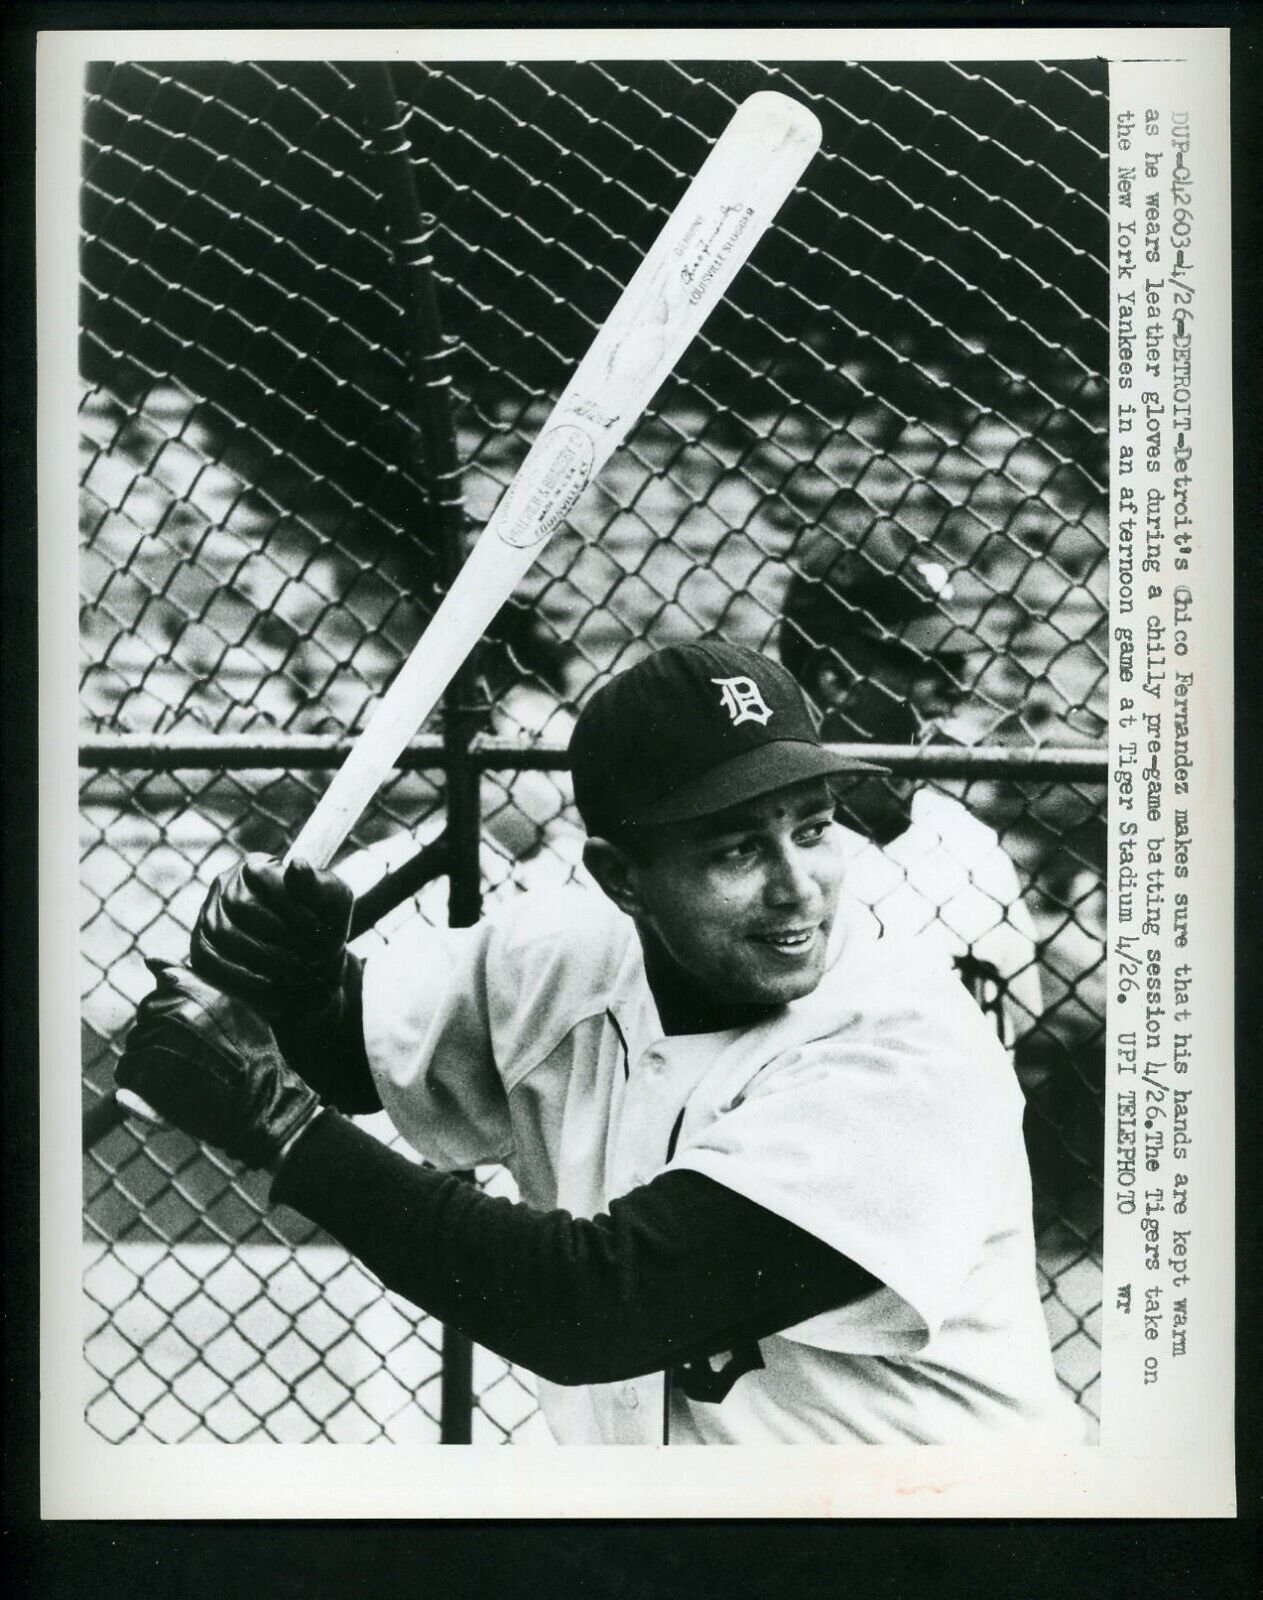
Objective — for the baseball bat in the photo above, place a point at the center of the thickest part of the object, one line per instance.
(726, 209)
(737, 192)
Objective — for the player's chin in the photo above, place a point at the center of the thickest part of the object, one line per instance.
(779, 976)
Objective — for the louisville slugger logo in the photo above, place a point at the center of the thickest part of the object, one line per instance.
(699, 275)
(553, 476)
(742, 700)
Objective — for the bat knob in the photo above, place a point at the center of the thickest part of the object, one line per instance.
(134, 1106)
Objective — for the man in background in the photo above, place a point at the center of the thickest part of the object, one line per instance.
(876, 652)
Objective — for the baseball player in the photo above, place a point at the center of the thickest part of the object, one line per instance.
(773, 1185)
(874, 650)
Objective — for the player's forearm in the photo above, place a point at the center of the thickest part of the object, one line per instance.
(326, 1047)
(680, 1269)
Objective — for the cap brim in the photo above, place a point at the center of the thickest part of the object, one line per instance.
(756, 772)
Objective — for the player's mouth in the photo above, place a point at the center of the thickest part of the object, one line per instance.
(789, 941)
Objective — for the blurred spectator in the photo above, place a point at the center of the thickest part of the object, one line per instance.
(879, 656)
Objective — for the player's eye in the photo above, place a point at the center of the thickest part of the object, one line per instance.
(814, 831)
(732, 852)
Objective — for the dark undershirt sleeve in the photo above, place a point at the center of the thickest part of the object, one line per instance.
(680, 1269)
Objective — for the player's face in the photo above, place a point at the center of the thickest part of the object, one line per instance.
(742, 903)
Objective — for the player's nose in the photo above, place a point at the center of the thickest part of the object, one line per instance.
(790, 880)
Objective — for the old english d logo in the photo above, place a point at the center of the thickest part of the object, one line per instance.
(742, 700)
(699, 1380)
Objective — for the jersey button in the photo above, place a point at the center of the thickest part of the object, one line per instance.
(629, 1396)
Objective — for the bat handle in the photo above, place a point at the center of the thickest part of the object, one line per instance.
(130, 1104)
(318, 840)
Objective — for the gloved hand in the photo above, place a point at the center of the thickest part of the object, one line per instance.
(274, 936)
(209, 1066)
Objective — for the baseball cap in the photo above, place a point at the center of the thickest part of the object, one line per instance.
(691, 730)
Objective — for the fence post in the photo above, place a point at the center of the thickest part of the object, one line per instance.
(464, 830)
(434, 452)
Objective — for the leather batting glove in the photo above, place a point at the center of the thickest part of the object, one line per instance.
(274, 936)
(208, 1065)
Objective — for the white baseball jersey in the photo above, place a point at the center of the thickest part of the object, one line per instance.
(879, 1113)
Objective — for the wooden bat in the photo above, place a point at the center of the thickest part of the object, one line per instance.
(720, 217)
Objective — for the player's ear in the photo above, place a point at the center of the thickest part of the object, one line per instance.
(615, 873)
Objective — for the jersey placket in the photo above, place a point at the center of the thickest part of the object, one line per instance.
(663, 1073)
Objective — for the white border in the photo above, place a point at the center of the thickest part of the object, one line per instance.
(82, 1476)
(1188, 1409)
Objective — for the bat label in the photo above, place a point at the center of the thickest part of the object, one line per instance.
(710, 257)
(583, 407)
(554, 475)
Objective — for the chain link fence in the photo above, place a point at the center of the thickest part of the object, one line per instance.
(885, 458)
